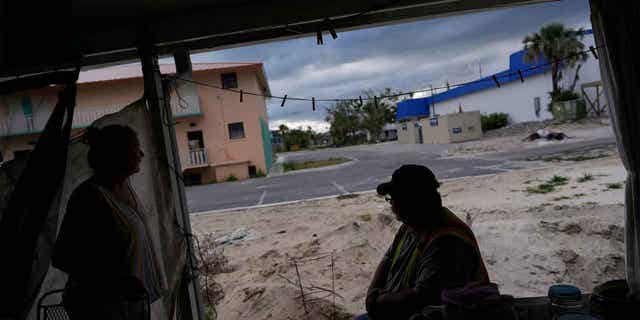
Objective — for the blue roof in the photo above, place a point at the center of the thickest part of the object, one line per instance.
(420, 107)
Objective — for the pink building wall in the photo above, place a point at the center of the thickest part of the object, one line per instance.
(218, 108)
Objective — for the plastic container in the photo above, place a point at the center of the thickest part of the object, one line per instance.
(565, 299)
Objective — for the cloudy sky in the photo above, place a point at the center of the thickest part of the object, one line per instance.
(404, 57)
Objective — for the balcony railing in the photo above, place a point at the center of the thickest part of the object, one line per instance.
(21, 124)
(196, 158)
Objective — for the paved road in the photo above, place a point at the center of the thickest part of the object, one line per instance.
(372, 165)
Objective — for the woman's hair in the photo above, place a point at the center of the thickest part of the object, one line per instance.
(109, 147)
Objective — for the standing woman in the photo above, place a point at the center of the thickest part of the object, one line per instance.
(104, 245)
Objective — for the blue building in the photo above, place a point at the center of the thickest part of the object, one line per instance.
(522, 101)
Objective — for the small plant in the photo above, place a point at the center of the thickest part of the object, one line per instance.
(260, 174)
(585, 177)
(288, 166)
(579, 195)
(558, 180)
(550, 185)
(232, 178)
(493, 121)
(614, 185)
(542, 188)
(560, 198)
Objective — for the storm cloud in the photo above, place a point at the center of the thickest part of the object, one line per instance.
(406, 57)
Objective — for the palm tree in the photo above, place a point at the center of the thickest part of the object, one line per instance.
(560, 46)
(283, 133)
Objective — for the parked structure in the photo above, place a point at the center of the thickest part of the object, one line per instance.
(521, 101)
(219, 137)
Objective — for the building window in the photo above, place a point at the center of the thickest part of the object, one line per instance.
(236, 130)
(229, 80)
(195, 140)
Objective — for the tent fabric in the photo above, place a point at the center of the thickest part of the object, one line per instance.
(25, 234)
(620, 69)
(152, 187)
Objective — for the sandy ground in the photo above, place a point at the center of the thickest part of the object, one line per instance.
(529, 241)
(494, 142)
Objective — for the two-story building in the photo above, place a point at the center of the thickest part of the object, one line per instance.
(219, 136)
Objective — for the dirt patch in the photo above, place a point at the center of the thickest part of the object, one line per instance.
(528, 240)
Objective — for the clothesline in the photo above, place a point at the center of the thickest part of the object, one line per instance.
(495, 78)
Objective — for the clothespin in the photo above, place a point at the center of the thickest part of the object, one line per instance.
(241, 94)
(329, 26)
(360, 97)
(495, 79)
(319, 37)
(521, 76)
(283, 100)
(593, 52)
(313, 103)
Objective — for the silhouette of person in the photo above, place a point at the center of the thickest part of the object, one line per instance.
(432, 251)
(104, 244)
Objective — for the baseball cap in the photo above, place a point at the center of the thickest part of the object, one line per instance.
(409, 179)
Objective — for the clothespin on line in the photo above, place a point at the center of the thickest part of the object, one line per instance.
(495, 79)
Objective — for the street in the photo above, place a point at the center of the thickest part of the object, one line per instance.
(370, 165)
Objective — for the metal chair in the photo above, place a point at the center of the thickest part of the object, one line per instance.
(51, 311)
(56, 311)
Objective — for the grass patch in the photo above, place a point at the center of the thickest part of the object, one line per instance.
(365, 217)
(347, 196)
(576, 158)
(614, 185)
(561, 198)
(585, 177)
(549, 186)
(259, 174)
(542, 188)
(579, 195)
(291, 166)
(558, 180)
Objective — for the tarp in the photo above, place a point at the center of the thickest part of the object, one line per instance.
(613, 25)
(152, 186)
(25, 237)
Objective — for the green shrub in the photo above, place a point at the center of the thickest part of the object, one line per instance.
(493, 121)
(586, 177)
(260, 174)
(558, 180)
(614, 185)
(231, 178)
(549, 185)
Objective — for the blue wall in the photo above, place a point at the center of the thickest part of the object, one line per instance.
(421, 107)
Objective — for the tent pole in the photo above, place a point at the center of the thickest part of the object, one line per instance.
(155, 95)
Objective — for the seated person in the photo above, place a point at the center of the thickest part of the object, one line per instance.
(432, 251)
